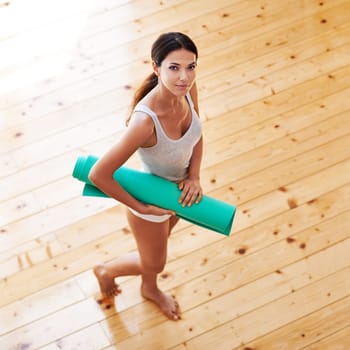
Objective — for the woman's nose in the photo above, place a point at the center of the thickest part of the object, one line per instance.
(183, 74)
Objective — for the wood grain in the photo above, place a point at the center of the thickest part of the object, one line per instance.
(274, 93)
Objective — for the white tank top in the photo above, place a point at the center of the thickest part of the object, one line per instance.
(170, 158)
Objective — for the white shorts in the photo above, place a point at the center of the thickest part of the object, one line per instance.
(151, 218)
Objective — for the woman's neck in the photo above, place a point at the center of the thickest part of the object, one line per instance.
(163, 97)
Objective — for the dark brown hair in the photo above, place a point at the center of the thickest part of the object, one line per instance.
(165, 44)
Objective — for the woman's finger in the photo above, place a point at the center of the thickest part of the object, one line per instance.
(199, 197)
(184, 193)
(190, 198)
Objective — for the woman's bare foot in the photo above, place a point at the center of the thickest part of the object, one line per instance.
(166, 303)
(107, 285)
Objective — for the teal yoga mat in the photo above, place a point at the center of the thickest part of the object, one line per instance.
(210, 213)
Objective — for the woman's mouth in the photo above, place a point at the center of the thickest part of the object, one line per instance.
(181, 86)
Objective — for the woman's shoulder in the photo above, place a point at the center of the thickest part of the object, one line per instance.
(141, 117)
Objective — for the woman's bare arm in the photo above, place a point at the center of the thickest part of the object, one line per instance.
(138, 132)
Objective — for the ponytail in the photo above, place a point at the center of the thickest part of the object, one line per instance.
(148, 84)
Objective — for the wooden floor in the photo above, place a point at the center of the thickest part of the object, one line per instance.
(274, 89)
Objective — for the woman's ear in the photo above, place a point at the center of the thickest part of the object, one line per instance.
(155, 68)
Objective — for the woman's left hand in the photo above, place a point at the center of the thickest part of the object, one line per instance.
(191, 192)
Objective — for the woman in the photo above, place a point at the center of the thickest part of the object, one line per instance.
(165, 130)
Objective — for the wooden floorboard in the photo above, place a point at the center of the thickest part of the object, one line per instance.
(274, 96)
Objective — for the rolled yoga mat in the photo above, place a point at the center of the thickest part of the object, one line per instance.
(210, 213)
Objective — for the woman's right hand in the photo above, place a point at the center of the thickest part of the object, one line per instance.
(150, 209)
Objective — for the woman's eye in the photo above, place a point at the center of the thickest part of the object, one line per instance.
(173, 67)
(192, 67)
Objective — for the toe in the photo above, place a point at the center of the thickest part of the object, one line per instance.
(116, 290)
(176, 311)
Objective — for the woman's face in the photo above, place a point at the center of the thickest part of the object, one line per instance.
(177, 72)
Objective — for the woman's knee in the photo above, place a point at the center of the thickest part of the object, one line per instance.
(153, 266)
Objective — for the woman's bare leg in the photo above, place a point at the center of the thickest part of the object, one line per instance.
(172, 222)
(151, 240)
